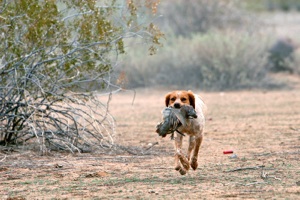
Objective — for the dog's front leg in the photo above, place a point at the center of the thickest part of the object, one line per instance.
(179, 157)
(178, 146)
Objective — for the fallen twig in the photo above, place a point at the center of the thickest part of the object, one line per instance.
(245, 168)
(152, 145)
(279, 179)
(254, 183)
(278, 153)
(264, 175)
(3, 158)
(162, 168)
(247, 184)
(129, 151)
(294, 129)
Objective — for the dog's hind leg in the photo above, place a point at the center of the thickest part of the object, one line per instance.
(191, 146)
(198, 141)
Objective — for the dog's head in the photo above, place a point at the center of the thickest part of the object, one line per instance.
(177, 99)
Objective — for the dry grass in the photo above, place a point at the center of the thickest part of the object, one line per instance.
(262, 128)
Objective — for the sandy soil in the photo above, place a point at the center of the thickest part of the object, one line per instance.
(261, 127)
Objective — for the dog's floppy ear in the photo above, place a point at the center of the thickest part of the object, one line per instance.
(167, 99)
(192, 98)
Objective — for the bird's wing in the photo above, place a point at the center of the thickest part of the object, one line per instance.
(179, 116)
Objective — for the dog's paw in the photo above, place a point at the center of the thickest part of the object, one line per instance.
(182, 171)
(184, 161)
(194, 163)
(177, 168)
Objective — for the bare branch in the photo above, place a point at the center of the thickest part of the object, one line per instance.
(245, 168)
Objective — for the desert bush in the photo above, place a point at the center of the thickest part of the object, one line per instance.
(54, 54)
(214, 61)
(293, 64)
(282, 55)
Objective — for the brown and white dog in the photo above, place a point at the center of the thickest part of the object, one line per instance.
(193, 128)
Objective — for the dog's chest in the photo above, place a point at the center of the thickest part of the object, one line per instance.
(192, 127)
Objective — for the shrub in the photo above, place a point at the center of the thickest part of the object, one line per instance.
(54, 54)
(294, 63)
(219, 60)
(281, 55)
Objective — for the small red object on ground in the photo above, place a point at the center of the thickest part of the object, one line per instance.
(227, 152)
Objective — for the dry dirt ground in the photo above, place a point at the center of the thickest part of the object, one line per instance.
(261, 127)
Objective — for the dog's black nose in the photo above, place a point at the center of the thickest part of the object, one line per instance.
(176, 105)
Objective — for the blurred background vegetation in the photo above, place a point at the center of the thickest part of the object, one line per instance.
(218, 45)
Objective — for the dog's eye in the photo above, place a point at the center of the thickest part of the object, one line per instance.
(183, 99)
(173, 99)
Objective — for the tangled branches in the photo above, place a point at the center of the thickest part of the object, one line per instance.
(55, 56)
(74, 122)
